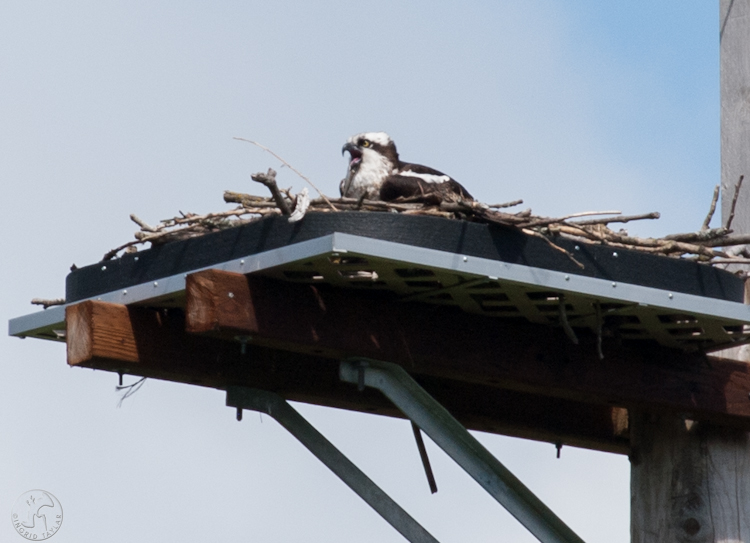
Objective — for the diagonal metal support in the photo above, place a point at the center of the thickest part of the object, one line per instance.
(275, 406)
(460, 445)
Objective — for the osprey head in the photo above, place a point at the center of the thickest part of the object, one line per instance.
(372, 157)
(368, 147)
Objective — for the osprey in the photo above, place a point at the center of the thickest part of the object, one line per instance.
(375, 172)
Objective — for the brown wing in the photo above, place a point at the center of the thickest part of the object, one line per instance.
(418, 190)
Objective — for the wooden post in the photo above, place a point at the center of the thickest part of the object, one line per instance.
(690, 482)
(735, 109)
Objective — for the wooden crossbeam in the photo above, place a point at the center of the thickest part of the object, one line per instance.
(154, 343)
(443, 343)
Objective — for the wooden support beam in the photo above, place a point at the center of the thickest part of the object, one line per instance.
(153, 343)
(440, 342)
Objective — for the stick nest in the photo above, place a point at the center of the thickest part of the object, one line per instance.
(711, 246)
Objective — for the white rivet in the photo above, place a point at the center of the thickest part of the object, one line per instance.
(124, 292)
(567, 277)
(156, 284)
(231, 294)
(614, 284)
(135, 258)
(242, 262)
(671, 295)
(466, 259)
(104, 268)
(578, 248)
(614, 255)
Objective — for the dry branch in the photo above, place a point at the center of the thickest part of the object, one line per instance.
(554, 246)
(285, 163)
(507, 204)
(700, 236)
(48, 302)
(714, 201)
(545, 221)
(621, 219)
(269, 180)
(144, 226)
(734, 202)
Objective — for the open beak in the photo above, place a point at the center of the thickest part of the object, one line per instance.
(354, 153)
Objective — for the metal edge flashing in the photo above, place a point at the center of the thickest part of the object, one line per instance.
(54, 317)
(568, 283)
(538, 277)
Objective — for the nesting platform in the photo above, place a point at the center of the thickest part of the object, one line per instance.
(510, 333)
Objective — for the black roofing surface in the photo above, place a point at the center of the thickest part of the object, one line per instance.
(465, 238)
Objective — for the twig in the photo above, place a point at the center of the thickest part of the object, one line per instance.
(578, 231)
(734, 202)
(48, 302)
(703, 235)
(208, 217)
(621, 219)
(507, 204)
(142, 224)
(546, 221)
(109, 255)
(708, 245)
(556, 247)
(726, 241)
(290, 167)
(246, 199)
(711, 210)
(731, 260)
(269, 180)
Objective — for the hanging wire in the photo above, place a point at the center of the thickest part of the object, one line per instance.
(129, 390)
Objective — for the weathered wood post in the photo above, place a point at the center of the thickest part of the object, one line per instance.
(735, 108)
(690, 482)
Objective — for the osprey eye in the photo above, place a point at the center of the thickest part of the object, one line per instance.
(365, 143)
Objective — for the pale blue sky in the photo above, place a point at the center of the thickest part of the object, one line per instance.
(109, 108)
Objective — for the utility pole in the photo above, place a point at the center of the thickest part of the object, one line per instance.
(690, 481)
(734, 36)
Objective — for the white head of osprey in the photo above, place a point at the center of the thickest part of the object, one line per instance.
(37, 515)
